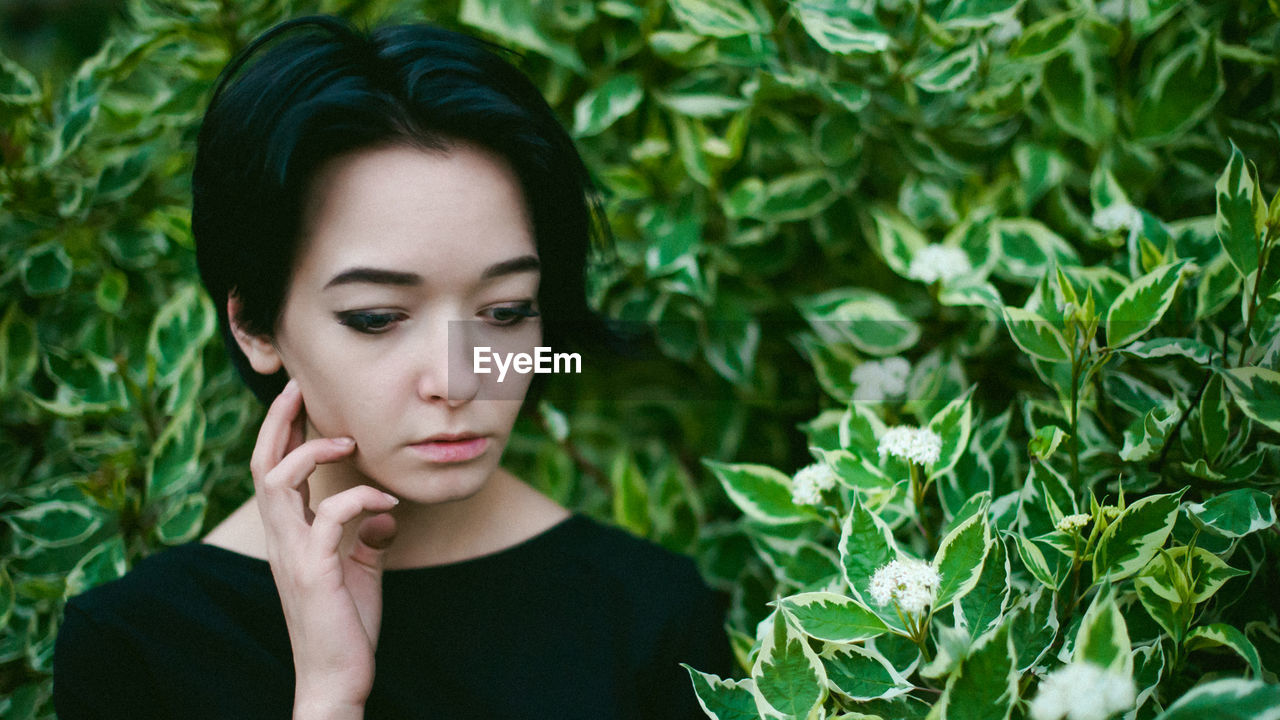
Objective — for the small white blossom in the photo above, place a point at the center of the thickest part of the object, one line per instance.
(879, 380)
(1073, 522)
(912, 584)
(1082, 691)
(938, 262)
(921, 446)
(1115, 217)
(810, 482)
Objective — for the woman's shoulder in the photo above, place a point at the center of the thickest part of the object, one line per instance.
(172, 584)
(632, 564)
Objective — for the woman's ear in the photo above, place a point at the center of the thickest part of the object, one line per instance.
(263, 356)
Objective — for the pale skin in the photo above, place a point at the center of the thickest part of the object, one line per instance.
(346, 486)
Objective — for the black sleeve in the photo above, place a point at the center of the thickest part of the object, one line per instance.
(700, 640)
(97, 673)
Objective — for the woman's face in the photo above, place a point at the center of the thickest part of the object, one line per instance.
(410, 259)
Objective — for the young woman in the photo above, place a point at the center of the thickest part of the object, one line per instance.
(369, 209)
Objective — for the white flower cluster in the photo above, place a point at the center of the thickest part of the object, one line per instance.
(879, 380)
(1074, 522)
(912, 584)
(810, 482)
(1082, 691)
(921, 446)
(1115, 217)
(938, 262)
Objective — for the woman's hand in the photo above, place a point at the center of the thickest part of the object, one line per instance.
(332, 600)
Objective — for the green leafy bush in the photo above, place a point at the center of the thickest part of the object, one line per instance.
(1038, 230)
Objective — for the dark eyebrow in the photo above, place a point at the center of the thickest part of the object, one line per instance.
(374, 275)
(524, 263)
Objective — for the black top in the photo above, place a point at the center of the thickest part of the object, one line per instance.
(580, 621)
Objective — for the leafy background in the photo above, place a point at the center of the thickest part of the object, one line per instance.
(772, 171)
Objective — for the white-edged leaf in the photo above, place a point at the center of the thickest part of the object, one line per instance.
(831, 617)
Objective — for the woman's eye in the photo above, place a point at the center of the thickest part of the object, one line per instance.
(505, 315)
(369, 322)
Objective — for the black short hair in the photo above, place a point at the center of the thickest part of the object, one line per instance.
(315, 87)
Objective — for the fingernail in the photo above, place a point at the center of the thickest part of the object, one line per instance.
(291, 386)
(345, 441)
(394, 500)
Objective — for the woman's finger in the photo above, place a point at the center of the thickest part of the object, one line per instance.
(282, 502)
(337, 510)
(276, 430)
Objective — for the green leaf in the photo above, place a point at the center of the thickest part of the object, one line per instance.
(723, 699)
(514, 21)
(1103, 637)
(602, 106)
(8, 596)
(120, 180)
(862, 674)
(978, 13)
(179, 331)
(1227, 699)
(1043, 40)
(1142, 304)
(110, 293)
(1208, 573)
(896, 240)
(17, 85)
(1147, 435)
(797, 196)
(1235, 513)
(182, 521)
(832, 618)
(984, 606)
(840, 28)
(960, 557)
(950, 71)
(1135, 536)
(1045, 441)
(173, 465)
(1164, 590)
(102, 564)
(1159, 348)
(866, 545)
(19, 348)
(1215, 418)
(54, 523)
(953, 424)
(1234, 224)
(1257, 392)
(630, 495)
(761, 492)
(1033, 627)
(1036, 335)
(985, 685)
(1219, 284)
(46, 270)
(1224, 635)
(789, 677)
(1028, 249)
(718, 18)
(873, 323)
(1185, 88)
(1069, 86)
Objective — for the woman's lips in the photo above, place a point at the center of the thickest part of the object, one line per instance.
(452, 451)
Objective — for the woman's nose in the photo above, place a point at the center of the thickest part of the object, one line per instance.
(445, 373)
